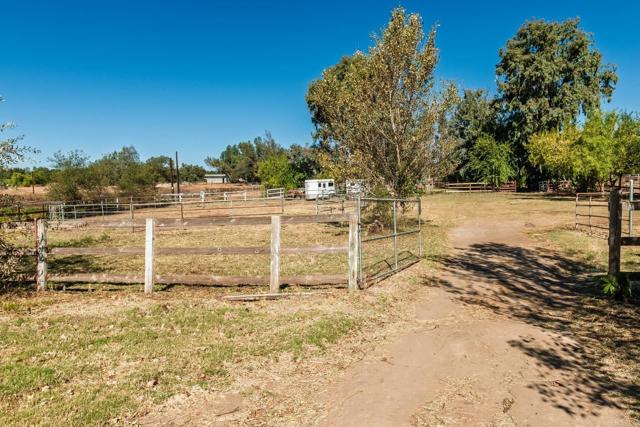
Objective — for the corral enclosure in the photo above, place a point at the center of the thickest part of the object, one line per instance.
(228, 242)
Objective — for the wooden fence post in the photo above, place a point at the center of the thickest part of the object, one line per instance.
(274, 281)
(353, 252)
(149, 247)
(41, 254)
(631, 199)
(615, 231)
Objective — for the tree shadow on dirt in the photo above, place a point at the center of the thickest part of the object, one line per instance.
(546, 289)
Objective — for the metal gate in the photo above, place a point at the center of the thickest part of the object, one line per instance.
(390, 237)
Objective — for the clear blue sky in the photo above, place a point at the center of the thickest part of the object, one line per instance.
(196, 76)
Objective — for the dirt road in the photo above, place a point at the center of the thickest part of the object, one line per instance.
(493, 347)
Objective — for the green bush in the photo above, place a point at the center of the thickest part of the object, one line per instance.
(618, 286)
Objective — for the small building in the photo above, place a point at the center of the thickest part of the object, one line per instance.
(216, 178)
(319, 188)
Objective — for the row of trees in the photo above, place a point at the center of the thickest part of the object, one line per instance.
(380, 114)
(264, 160)
(75, 177)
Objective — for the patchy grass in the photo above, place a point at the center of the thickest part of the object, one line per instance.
(111, 355)
(78, 369)
(588, 249)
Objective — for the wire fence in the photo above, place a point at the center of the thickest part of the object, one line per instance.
(390, 236)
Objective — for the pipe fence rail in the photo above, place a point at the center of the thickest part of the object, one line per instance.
(403, 220)
(592, 211)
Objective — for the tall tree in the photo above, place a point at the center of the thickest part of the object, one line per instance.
(380, 113)
(548, 74)
(475, 116)
(10, 149)
(277, 171)
(490, 161)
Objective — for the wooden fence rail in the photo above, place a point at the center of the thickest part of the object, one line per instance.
(150, 251)
(616, 241)
(478, 187)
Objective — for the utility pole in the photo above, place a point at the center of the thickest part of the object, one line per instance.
(33, 184)
(171, 175)
(177, 173)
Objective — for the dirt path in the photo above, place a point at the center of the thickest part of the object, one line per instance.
(492, 348)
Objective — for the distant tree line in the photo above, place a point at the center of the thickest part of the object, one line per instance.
(378, 114)
(264, 160)
(121, 173)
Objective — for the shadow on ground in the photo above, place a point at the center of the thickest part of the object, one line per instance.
(544, 288)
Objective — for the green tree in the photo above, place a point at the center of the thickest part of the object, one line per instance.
(601, 151)
(72, 180)
(277, 172)
(192, 173)
(548, 74)
(160, 167)
(304, 161)
(475, 116)
(240, 161)
(124, 170)
(10, 256)
(490, 161)
(379, 116)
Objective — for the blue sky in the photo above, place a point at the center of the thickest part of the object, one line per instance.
(196, 76)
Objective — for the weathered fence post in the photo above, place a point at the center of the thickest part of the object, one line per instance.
(181, 210)
(41, 254)
(395, 235)
(353, 252)
(615, 231)
(590, 228)
(419, 227)
(631, 197)
(149, 248)
(360, 250)
(274, 281)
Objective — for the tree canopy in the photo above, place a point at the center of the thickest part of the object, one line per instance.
(240, 161)
(378, 115)
(548, 74)
(490, 161)
(603, 149)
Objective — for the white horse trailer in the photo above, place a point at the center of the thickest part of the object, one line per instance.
(319, 188)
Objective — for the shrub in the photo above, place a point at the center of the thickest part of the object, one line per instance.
(618, 286)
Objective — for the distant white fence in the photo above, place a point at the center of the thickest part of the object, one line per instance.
(275, 193)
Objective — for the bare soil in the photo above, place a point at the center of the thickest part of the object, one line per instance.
(501, 330)
(496, 346)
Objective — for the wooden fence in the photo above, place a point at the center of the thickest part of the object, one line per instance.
(149, 278)
(616, 213)
(469, 187)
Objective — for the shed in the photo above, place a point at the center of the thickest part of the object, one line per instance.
(216, 178)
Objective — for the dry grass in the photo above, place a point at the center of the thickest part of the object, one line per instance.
(113, 354)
